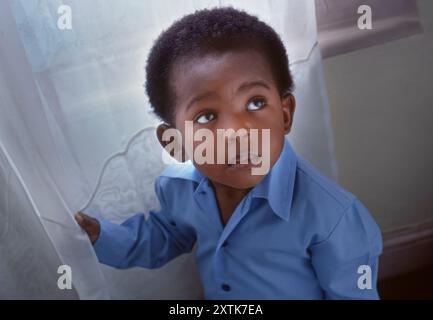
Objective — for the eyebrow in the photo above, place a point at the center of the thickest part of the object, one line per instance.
(243, 87)
(248, 85)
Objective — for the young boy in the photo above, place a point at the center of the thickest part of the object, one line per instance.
(288, 234)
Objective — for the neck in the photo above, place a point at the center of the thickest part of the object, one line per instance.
(227, 199)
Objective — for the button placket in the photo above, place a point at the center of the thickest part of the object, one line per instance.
(223, 243)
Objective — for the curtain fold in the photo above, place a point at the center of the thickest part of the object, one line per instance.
(76, 132)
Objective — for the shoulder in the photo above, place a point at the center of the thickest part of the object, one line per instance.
(179, 176)
(320, 189)
(181, 170)
(326, 205)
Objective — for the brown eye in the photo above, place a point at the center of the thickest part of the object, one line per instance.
(205, 118)
(256, 104)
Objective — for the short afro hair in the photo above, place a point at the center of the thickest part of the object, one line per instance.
(205, 31)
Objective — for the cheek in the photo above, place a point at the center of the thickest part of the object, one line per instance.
(273, 119)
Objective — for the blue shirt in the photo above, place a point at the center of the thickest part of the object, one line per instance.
(295, 235)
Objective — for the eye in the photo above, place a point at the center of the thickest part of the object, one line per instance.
(205, 118)
(256, 104)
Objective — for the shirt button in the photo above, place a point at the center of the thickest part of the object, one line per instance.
(225, 287)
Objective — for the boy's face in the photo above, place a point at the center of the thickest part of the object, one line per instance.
(231, 90)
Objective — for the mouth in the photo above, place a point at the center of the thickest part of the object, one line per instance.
(244, 160)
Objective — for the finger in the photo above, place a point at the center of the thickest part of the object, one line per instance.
(84, 220)
(78, 217)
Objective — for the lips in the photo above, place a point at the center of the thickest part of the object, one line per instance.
(243, 160)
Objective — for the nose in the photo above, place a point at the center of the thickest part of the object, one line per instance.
(236, 130)
(236, 122)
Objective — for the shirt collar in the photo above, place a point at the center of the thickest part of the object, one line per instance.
(278, 185)
(183, 170)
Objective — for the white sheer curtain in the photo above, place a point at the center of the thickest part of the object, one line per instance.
(76, 133)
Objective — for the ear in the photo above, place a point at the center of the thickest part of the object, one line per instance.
(174, 145)
(288, 104)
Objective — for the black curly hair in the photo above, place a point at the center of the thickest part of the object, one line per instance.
(205, 31)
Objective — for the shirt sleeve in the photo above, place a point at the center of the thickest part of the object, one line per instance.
(141, 242)
(346, 262)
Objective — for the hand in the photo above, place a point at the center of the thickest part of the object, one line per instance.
(89, 224)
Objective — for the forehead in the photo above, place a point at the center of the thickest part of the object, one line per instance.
(219, 72)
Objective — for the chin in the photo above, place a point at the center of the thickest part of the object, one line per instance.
(239, 180)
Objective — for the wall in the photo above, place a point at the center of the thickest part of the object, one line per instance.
(381, 101)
